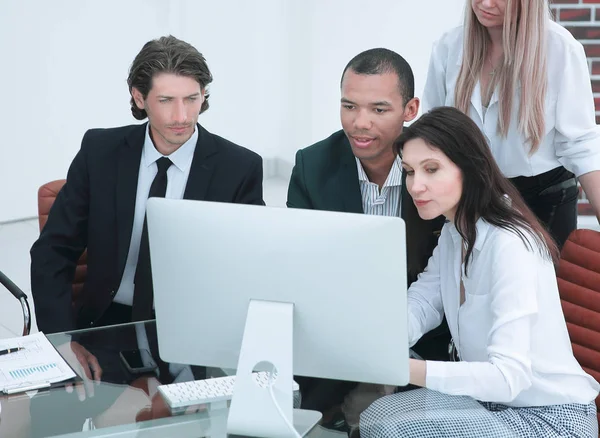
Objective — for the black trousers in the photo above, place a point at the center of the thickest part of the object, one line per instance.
(552, 196)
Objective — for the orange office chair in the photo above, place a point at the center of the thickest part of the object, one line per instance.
(579, 286)
(46, 196)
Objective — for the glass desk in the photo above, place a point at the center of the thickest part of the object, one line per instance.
(122, 404)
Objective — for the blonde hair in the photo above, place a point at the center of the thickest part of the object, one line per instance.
(524, 63)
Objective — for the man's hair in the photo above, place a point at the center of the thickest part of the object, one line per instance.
(381, 61)
(486, 193)
(166, 55)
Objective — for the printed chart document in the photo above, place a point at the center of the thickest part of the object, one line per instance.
(37, 366)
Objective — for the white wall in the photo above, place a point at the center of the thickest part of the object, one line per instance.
(276, 64)
(64, 70)
(336, 31)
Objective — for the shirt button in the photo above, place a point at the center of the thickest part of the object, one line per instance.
(91, 323)
(113, 293)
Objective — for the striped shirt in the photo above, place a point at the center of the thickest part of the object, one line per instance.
(386, 202)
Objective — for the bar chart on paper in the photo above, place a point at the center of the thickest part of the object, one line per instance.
(38, 362)
(35, 372)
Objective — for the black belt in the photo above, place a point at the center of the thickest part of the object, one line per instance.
(548, 182)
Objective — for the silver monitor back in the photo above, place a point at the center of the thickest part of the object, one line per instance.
(345, 274)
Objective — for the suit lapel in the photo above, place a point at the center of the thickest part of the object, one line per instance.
(347, 180)
(128, 168)
(202, 166)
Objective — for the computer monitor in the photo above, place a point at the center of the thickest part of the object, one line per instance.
(320, 294)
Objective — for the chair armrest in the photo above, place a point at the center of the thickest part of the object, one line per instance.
(19, 295)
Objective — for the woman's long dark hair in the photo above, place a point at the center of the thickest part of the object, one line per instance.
(485, 189)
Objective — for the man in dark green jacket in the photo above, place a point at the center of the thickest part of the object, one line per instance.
(357, 170)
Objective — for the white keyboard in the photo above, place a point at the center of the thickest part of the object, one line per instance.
(181, 395)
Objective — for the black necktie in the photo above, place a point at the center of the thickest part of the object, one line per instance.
(143, 294)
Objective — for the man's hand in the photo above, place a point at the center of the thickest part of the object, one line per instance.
(85, 365)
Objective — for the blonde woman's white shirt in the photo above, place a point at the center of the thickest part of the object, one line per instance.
(510, 331)
(571, 139)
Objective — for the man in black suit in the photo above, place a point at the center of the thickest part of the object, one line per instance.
(101, 207)
(357, 170)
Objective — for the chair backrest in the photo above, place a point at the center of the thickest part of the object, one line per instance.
(46, 196)
(579, 286)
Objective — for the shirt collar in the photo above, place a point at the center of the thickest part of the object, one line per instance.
(394, 178)
(181, 158)
(481, 226)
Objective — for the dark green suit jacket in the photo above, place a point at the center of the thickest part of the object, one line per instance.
(325, 177)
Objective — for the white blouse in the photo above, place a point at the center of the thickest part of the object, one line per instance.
(510, 331)
(572, 138)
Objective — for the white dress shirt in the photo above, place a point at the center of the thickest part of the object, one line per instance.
(387, 201)
(177, 176)
(572, 138)
(510, 331)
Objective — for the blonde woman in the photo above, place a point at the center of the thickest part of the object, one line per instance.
(525, 82)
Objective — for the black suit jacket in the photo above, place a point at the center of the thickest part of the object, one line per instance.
(325, 177)
(95, 211)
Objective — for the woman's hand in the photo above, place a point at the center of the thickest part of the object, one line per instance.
(418, 372)
(591, 186)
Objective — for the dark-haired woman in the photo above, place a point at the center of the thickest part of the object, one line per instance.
(492, 276)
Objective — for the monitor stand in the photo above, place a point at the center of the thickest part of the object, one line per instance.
(267, 345)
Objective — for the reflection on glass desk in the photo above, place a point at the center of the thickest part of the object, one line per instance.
(121, 403)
